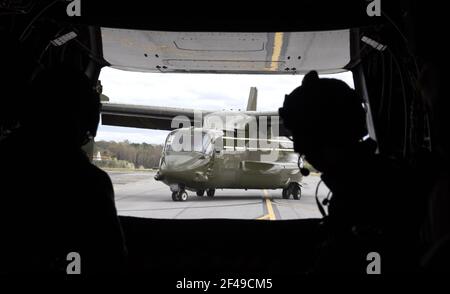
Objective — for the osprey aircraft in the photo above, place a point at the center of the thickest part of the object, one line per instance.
(209, 150)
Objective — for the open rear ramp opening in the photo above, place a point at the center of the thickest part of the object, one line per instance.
(133, 140)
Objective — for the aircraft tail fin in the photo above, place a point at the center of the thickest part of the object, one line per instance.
(252, 99)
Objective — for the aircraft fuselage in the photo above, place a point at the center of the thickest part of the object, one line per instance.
(217, 163)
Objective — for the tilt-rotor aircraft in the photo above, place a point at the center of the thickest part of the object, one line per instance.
(225, 149)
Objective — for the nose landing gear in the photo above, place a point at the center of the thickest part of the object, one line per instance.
(180, 195)
(178, 192)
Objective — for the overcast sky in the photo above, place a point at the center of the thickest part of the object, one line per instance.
(199, 91)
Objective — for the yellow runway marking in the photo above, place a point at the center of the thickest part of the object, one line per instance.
(270, 215)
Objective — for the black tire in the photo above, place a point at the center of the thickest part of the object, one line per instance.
(200, 193)
(296, 191)
(210, 192)
(175, 196)
(285, 194)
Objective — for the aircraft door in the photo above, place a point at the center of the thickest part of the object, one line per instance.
(227, 160)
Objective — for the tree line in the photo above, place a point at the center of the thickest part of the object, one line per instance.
(140, 155)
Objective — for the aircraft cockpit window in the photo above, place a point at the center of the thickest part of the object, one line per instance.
(189, 142)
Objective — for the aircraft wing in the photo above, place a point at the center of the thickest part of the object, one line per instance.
(145, 117)
(160, 118)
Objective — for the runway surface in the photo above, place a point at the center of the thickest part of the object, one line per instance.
(138, 194)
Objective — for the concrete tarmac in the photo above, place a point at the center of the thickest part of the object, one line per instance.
(138, 194)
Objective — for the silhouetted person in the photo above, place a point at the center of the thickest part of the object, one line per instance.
(15, 70)
(373, 207)
(54, 201)
(433, 84)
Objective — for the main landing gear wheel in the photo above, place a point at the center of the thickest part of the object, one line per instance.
(293, 189)
(179, 195)
(210, 192)
(296, 191)
(285, 193)
(200, 193)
